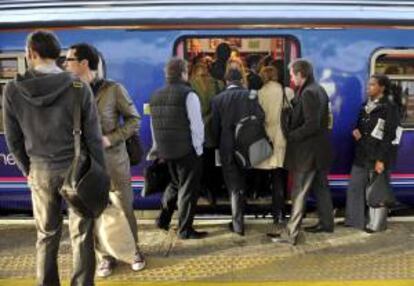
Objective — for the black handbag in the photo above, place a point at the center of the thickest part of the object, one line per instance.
(285, 114)
(86, 184)
(157, 178)
(134, 149)
(379, 192)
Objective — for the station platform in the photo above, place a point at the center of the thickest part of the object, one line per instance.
(348, 257)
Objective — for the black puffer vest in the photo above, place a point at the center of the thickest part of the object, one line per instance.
(170, 121)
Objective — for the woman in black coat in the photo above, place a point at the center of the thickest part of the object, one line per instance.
(376, 149)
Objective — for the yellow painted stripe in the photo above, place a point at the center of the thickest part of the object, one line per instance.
(26, 282)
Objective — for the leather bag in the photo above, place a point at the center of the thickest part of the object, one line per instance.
(134, 149)
(379, 192)
(86, 184)
(157, 177)
(285, 114)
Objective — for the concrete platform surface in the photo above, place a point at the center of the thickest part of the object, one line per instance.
(346, 257)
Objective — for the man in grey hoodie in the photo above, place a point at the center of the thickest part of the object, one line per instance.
(38, 122)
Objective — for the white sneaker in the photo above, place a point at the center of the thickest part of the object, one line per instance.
(104, 268)
(139, 262)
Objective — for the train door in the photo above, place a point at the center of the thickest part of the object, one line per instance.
(252, 53)
(398, 65)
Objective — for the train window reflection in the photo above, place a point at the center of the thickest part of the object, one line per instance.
(10, 65)
(8, 68)
(398, 65)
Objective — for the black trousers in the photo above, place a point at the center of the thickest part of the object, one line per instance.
(234, 177)
(212, 177)
(278, 185)
(182, 191)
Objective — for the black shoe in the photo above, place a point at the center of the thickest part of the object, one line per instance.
(161, 226)
(193, 234)
(318, 228)
(231, 228)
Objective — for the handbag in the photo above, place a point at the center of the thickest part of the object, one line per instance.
(285, 114)
(113, 233)
(86, 184)
(157, 178)
(379, 192)
(134, 149)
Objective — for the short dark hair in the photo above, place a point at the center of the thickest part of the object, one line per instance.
(223, 52)
(84, 51)
(45, 43)
(174, 69)
(233, 74)
(303, 67)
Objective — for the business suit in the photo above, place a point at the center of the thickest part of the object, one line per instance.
(308, 155)
(229, 107)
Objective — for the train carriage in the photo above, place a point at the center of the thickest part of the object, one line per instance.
(346, 40)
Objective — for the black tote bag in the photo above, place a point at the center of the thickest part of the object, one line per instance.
(379, 192)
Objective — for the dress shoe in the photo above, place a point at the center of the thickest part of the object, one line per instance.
(161, 226)
(318, 228)
(231, 228)
(284, 238)
(193, 234)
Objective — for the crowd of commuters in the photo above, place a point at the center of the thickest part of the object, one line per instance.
(193, 119)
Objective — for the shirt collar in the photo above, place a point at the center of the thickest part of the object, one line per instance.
(50, 68)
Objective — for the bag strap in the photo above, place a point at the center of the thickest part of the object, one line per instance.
(77, 131)
(253, 94)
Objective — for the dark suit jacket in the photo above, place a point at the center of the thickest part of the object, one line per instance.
(308, 145)
(229, 107)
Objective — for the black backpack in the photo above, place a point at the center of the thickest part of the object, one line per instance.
(252, 146)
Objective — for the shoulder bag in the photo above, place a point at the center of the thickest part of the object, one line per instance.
(86, 184)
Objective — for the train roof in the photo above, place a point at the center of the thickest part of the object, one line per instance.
(30, 13)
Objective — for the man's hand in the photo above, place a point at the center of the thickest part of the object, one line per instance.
(357, 135)
(105, 142)
(379, 167)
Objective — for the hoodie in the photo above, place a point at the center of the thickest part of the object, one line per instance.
(38, 120)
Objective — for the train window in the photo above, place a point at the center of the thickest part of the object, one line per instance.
(252, 52)
(398, 65)
(10, 65)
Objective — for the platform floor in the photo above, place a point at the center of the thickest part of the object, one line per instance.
(346, 257)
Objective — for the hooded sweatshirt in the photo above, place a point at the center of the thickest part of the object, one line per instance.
(38, 120)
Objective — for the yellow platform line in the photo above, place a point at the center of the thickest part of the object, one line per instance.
(27, 282)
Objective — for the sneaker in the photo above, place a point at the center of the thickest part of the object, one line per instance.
(104, 268)
(139, 262)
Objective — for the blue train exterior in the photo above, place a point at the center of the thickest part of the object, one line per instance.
(340, 44)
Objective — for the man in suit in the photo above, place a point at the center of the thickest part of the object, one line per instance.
(229, 107)
(308, 154)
